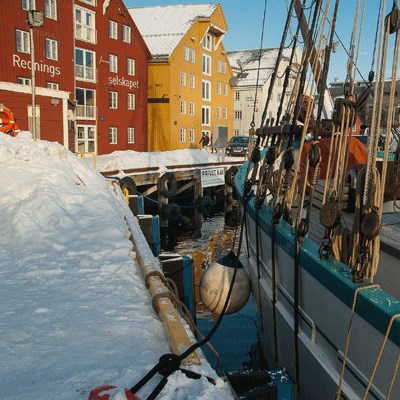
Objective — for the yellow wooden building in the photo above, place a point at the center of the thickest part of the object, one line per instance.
(189, 75)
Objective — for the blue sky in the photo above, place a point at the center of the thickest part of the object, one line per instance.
(244, 18)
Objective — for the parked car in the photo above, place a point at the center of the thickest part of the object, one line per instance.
(237, 146)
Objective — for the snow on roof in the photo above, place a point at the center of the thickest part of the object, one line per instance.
(163, 27)
(248, 61)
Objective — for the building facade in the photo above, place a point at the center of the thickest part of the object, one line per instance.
(253, 70)
(189, 75)
(90, 77)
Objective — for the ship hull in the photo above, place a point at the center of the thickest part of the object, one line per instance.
(325, 297)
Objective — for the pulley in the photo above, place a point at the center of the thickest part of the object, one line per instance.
(370, 224)
(288, 159)
(314, 155)
(393, 19)
(344, 110)
(256, 155)
(329, 215)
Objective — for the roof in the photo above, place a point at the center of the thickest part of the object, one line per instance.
(163, 27)
(247, 61)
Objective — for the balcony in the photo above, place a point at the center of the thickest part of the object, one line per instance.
(85, 73)
(85, 112)
(85, 33)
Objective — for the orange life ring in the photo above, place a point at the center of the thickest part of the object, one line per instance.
(8, 124)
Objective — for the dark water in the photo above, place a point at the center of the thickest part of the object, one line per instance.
(236, 338)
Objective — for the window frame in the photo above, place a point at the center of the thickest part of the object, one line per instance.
(22, 37)
(88, 72)
(28, 4)
(112, 29)
(182, 107)
(206, 90)
(126, 33)
(21, 80)
(51, 49)
(205, 115)
(113, 63)
(130, 135)
(51, 9)
(206, 64)
(131, 66)
(113, 134)
(183, 135)
(131, 101)
(113, 99)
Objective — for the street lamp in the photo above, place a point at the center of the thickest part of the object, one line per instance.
(35, 19)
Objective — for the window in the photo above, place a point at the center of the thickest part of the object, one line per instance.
(53, 85)
(236, 132)
(221, 67)
(206, 64)
(183, 135)
(183, 106)
(23, 43)
(51, 49)
(113, 63)
(238, 115)
(28, 4)
(183, 78)
(130, 66)
(130, 133)
(84, 64)
(206, 90)
(205, 115)
(85, 105)
(24, 81)
(208, 42)
(191, 81)
(237, 95)
(225, 89)
(85, 28)
(218, 112)
(113, 99)
(191, 135)
(225, 113)
(186, 53)
(191, 108)
(92, 2)
(50, 9)
(113, 134)
(279, 97)
(112, 29)
(86, 138)
(192, 56)
(126, 34)
(131, 101)
(219, 88)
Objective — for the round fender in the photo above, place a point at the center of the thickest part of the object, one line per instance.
(167, 184)
(6, 124)
(128, 183)
(230, 175)
(206, 206)
(171, 211)
(107, 392)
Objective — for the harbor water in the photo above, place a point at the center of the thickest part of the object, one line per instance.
(236, 338)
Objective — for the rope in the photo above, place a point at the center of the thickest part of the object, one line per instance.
(396, 368)
(378, 358)
(353, 308)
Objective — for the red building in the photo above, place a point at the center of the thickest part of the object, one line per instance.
(90, 76)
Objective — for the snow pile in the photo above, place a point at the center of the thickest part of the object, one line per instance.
(75, 313)
(120, 160)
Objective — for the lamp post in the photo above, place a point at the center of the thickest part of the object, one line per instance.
(35, 19)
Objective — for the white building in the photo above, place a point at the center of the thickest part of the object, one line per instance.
(250, 94)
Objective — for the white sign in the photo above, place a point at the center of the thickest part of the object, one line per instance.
(212, 177)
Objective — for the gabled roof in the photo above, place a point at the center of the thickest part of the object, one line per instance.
(163, 27)
(247, 61)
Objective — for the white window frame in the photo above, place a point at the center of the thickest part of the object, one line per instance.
(191, 135)
(206, 90)
(130, 135)
(92, 2)
(192, 81)
(28, 4)
(113, 63)
(131, 101)
(186, 53)
(238, 114)
(130, 66)
(83, 71)
(206, 64)
(53, 85)
(192, 55)
(183, 78)
(225, 113)
(22, 41)
(205, 115)
(219, 86)
(237, 95)
(24, 81)
(218, 112)
(236, 132)
(182, 107)
(50, 9)
(51, 49)
(225, 89)
(113, 134)
(207, 41)
(191, 108)
(113, 99)
(112, 29)
(126, 33)
(88, 139)
(85, 28)
(85, 110)
(183, 135)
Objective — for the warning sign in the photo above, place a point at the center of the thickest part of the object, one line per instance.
(212, 177)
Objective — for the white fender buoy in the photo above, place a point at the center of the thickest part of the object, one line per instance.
(215, 283)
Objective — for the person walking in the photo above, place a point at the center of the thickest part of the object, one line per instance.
(204, 140)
